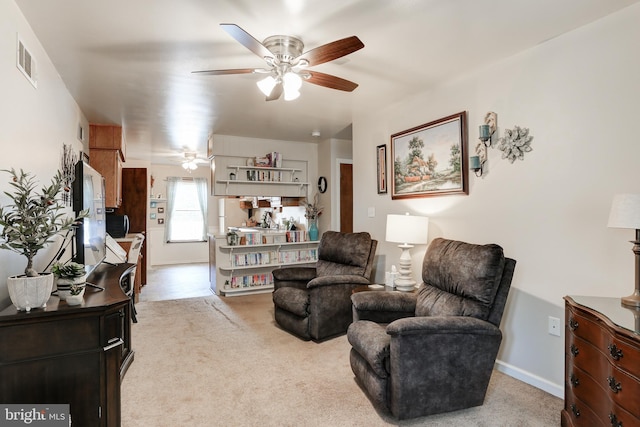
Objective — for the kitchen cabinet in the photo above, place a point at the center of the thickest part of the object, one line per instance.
(107, 137)
(109, 164)
(107, 151)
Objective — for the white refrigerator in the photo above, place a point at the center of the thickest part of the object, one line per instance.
(230, 214)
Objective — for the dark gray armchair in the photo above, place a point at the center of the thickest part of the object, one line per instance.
(433, 351)
(314, 302)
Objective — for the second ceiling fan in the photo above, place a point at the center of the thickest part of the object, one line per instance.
(287, 64)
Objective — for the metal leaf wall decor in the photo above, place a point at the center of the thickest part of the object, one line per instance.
(515, 143)
(67, 166)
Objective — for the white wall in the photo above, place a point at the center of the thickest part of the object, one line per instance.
(578, 94)
(35, 122)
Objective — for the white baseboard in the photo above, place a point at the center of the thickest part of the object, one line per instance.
(531, 379)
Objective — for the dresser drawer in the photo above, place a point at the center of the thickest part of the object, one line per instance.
(60, 335)
(624, 355)
(597, 394)
(578, 412)
(619, 351)
(586, 356)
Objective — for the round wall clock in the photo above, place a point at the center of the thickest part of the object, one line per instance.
(322, 184)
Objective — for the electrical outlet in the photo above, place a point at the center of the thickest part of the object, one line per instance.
(554, 326)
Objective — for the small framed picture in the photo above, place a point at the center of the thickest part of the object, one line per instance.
(382, 168)
(152, 216)
(160, 210)
(154, 204)
(160, 220)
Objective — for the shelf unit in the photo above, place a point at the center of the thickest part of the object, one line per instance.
(233, 178)
(245, 269)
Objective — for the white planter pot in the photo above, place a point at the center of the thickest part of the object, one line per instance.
(76, 299)
(30, 292)
(63, 286)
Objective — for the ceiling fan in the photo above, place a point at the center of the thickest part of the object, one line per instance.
(191, 161)
(287, 64)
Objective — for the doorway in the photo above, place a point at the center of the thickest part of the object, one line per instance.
(346, 197)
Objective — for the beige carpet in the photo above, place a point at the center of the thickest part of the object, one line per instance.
(224, 362)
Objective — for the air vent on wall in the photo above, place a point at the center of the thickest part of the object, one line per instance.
(26, 63)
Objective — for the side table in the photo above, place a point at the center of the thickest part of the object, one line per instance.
(376, 287)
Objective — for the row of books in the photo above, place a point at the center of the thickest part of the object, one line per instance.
(297, 236)
(272, 257)
(302, 255)
(253, 238)
(253, 258)
(249, 281)
(265, 175)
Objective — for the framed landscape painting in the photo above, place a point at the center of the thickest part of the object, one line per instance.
(431, 159)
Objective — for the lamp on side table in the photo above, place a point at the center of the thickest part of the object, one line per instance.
(625, 213)
(408, 230)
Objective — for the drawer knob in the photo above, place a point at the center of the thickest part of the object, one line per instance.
(614, 385)
(573, 324)
(615, 352)
(574, 380)
(575, 410)
(614, 420)
(574, 350)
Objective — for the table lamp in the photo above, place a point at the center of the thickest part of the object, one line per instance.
(408, 230)
(625, 213)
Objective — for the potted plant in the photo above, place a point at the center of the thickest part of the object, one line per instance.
(68, 277)
(76, 292)
(29, 224)
(312, 212)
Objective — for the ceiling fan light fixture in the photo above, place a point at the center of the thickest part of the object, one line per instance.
(266, 85)
(292, 81)
(190, 165)
(290, 95)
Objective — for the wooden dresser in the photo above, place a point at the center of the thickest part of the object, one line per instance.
(71, 355)
(602, 363)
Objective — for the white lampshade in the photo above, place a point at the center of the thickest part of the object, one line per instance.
(266, 85)
(292, 81)
(407, 229)
(625, 211)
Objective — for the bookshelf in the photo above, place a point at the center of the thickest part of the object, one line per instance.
(233, 177)
(246, 269)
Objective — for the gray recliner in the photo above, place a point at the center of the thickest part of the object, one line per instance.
(433, 351)
(314, 302)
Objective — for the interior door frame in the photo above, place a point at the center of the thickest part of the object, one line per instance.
(335, 194)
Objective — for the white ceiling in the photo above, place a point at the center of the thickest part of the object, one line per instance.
(129, 62)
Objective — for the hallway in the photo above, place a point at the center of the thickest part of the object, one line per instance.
(176, 281)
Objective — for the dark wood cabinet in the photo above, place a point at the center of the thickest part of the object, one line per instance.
(602, 363)
(71, 355)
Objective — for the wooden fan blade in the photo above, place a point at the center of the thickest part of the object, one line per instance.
(276, 92)
(247, 40)
(333, 82)
(331, 51)
(223, 72)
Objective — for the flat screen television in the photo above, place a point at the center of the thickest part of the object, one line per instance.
(90, 235)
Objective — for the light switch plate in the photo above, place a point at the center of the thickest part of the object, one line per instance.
(371, 212)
